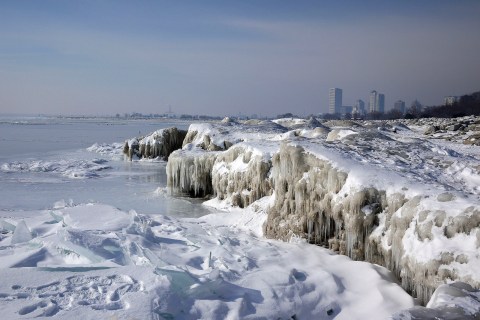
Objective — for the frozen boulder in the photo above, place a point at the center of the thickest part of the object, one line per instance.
(160, 143)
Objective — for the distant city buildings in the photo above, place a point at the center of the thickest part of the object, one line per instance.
(376, 105)
(400, 106)
(335, 100)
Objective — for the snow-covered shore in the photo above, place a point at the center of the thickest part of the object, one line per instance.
(383, 192)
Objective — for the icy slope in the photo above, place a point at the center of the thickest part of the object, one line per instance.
(375, 191)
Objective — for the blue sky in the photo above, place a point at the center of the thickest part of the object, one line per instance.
(228, 57)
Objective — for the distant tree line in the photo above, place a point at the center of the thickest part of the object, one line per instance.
(467, 105)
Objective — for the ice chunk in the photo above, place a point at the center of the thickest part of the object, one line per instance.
(6, 226)
(21, 233)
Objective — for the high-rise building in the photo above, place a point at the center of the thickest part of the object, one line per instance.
(360, 106)
(335, 100)
(381, 102)
(399, 106)
(376, 102)
(372, 103)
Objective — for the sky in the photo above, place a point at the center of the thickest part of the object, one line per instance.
(264, 57)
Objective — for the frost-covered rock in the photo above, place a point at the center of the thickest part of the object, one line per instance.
(241, 174)
(160, 143)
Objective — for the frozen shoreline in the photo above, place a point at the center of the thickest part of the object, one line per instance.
(92, 260)
(375, 191)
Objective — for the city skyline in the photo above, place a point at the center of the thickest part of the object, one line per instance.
(217, 58)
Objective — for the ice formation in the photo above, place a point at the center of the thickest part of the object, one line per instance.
(190, 172)
(375, 191)
(70, 168)
(201, 168)
(157, 144)
(21, 233)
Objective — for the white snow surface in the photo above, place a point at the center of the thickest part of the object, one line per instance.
(94, 261)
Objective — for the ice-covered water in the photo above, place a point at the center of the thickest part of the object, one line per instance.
(44, 160)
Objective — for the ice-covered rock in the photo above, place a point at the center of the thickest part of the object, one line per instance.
(160, 143)
(221, 136)
(241, 174)
(375, 191)
(190, 172)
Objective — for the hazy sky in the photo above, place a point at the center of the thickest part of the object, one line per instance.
(224, 57)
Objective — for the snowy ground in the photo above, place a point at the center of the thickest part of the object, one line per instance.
(95, 261)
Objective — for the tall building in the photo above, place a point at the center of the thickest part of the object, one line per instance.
(376, 102)
(399, 106)
(360, 106)
(381, 103)
(372, 103)
(335, 100)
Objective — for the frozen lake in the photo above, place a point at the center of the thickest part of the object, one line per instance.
(45, 160)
